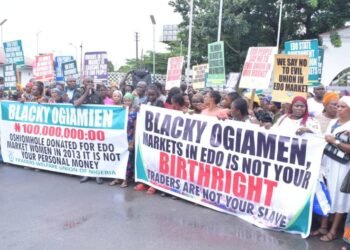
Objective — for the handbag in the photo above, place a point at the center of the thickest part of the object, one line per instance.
(335, 153)
(345, 186)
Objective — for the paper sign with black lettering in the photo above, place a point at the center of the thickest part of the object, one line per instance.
(309, 48)
(96, 66)
(200, 73)
(59, 60)
(43, 68)
(10, 77)
(70, 70)
(258, 67)
(216, 61)
(267, 178)
(14, 52)
(290, 77)
(174, 72)
(90, 140)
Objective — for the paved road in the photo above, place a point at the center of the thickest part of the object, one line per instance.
(45, 210)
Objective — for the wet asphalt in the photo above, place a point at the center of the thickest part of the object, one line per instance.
(46, 210)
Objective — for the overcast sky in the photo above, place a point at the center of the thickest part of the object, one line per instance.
(102, 25)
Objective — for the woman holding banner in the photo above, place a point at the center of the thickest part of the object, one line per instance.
(336, 159)
(298, 120)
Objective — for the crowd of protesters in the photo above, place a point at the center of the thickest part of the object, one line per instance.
(324, 113)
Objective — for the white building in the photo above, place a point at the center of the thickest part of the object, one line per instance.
(25, 72)
(336, 59)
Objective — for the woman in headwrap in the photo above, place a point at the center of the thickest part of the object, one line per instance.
(340, 202)
(329, 101)
(297, 120)
(56, 96)
(128, 101)
(329, 113)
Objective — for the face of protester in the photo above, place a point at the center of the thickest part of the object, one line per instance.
(226, 102)
(196, 101)
(128, 89)
(117, 98)
(176, 106)
(319, 92)
(187, 101)
(35, 91)
(343, 110)
(141, 89)
(55, 96)
(207, 99)
(298, 109)
(88, 82)
(331, 108)
(152, 95)
(128, 102)
(71, 83)
(28, 89)
(103, 91)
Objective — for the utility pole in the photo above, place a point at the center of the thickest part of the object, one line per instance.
(81, 61)
(137, 48)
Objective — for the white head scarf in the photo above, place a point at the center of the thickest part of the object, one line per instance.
(346, 100)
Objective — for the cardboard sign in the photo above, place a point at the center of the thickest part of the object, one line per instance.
(290, 77)
(216, 60)
(199, 76)
(174, 72)
(95, 66)
(14, 52)
(309, 48)
(258, 67)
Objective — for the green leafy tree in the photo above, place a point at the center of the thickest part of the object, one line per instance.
(247, 23)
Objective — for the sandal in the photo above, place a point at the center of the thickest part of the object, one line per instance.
(328, 237)
(124, 184)
(114, 182)
(320, 231)
(140, 187)
(151, 190)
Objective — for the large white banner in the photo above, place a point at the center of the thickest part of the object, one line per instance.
(267, 178)
(89, 141)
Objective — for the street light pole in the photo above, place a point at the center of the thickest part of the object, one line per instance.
(2, 38)
(279, 24)
(189, 44)
(81, 61)
(37, 41)
(154, 47)
(220, 20)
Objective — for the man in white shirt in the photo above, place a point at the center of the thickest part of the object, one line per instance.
(314, 104)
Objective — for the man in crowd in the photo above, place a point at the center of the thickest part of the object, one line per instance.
(314, 104)
(141, 94)
(87, 95)
(71, 88)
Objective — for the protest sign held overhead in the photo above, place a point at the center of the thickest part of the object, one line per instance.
(43, 68)
(199, 76)
(258, 67)
(233, 167)
(309, 48)
(59, 60)
(174, 72)
(216, 61)
(10, 77)
(290, 77)
(70, 70)
(95, 66)
(14, 52)
(66, 139)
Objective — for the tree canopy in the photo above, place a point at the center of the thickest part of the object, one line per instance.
(247, 23)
